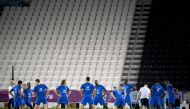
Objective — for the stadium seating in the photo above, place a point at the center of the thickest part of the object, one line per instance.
(65, 39)
(163, 51)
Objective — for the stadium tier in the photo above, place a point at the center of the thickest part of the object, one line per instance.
(65, 39)
(166, 47)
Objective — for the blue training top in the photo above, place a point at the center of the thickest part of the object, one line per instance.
(87, 88)
(40, 90)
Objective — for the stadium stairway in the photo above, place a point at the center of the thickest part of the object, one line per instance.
(136, 42)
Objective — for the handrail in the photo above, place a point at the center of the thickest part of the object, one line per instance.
(124, 29)
(134, 45)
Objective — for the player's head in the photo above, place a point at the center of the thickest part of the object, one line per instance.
(37, 81)
(171, 85)
(126, 81)
(87, 79)
(145, 85)
(166, 81)
(12, 82)
(28, 85)
(20, 82)
(96, 82)
(114, 88)
(24, 86)
(63, 82)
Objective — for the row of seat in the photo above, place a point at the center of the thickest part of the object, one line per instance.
(77, 39)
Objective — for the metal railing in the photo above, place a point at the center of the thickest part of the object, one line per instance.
(135, 41)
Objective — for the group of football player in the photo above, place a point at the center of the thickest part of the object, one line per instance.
(20, 95)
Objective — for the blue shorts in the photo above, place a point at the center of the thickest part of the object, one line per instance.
(128, 100)
(28, 103)
(41, 100)
(99, 100)
(64, 100)
(23, 102)
(161, 101)
(119, 102)
(17, 102)
(155, 101)
(171, 99)
(87, 99)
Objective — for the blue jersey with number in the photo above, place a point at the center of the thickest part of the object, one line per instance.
(157, 90)
(27, 94)
(63, 90)
(87, 88)
(40, 90)
(99, 90)
(118, 94)
(127, 88)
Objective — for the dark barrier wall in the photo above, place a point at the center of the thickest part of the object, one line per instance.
(166, 52)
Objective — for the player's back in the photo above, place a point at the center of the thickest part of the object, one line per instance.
(27, 94)
(118, 94)
(145, 91)
(63, 90)
(99, 90)
(87, 88)
(170, 90)
(127, 88)
(40, 90)
(157, 90)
